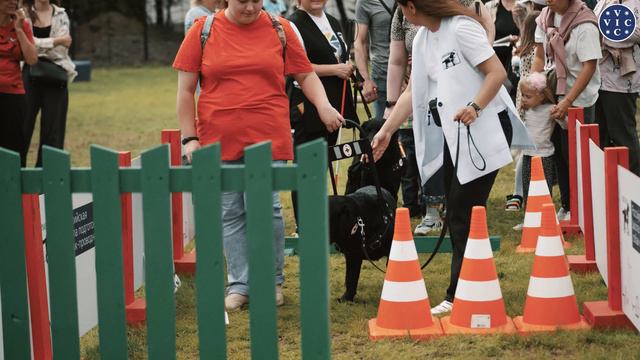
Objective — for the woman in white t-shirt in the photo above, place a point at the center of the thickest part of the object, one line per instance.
(459, 107)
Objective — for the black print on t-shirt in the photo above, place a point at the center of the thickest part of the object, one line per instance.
(450, 59)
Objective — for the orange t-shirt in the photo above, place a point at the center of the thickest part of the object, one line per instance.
(242, 98)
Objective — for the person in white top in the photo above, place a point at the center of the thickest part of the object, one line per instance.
(464, 119)
(537, 102)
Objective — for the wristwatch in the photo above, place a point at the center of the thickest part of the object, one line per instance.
(188, 139)
(475, 107)
(390, 103)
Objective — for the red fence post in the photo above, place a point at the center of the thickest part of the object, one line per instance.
(135, 308)
(37, 282)
(571, 227)
(608, 314)
(184, 263)
(587, 262)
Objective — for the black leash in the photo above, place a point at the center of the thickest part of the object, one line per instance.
(445, 223)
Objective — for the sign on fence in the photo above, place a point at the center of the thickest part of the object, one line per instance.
(85, 258)
(628, 185)
(599, 209)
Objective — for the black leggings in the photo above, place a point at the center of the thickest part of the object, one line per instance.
(12, 118)
(460, 199)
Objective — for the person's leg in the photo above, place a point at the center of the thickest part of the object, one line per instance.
(526, 177)
(410, 179)
(518, 190)
(548, 166)
(235, 242)
(380, 103)
(55, 103)
(460, 200)
(560, 139)
(618, 112)
(278, 237)
(33, 98)
(14, 111)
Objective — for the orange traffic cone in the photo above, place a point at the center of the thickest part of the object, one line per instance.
(538, 195)
(478, 307)
(404, 304)
(551, 302)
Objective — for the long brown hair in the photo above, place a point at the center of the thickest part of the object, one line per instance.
(442, 8)
(527, 35)
(29, 6)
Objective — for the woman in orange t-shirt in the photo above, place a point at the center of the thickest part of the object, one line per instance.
(16, 44)
(243, 102)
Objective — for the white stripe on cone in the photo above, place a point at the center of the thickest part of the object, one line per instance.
(550, 287)
(403, 251)
(549, 246)
(478, 249)
(538, 188)
(405, 291)
(532, 219)
(478, 290)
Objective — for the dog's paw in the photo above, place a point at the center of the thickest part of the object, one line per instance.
(346, 299)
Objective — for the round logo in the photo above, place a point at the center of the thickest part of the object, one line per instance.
(617, 22)
(346, 149)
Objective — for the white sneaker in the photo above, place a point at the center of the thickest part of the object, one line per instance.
(518, 227)
(430, 222)
(176, 283)
(443, 308)
(563, 215)
(279, 295)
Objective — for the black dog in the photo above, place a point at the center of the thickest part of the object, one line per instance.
(361, 226)
(389, 167)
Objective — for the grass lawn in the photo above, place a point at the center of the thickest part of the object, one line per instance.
(125, 109)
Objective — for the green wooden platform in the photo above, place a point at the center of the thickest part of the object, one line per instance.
(424, 244)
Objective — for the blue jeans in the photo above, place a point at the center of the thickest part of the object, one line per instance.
(380, 103)
(236, 246)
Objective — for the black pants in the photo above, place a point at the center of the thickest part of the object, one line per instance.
(460, 199)
(301, 138)
(52, 102)
(13, 113)
(410, 180)
(616, 115)
(560, 140)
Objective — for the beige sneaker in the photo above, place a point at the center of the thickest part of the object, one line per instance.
(279, 296)
(234, 302)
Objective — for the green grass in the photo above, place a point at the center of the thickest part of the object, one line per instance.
(125, 109)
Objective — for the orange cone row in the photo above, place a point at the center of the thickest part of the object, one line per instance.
(478, 307)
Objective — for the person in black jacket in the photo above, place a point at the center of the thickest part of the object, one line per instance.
(322, 37)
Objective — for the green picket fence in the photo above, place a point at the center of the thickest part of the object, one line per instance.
(206, 179)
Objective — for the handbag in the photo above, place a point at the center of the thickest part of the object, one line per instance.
(46, 72)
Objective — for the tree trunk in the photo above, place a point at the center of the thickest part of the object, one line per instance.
(159, 12)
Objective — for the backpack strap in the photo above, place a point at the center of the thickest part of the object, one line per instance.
(208, 25)
(277, 25)
(206, 30)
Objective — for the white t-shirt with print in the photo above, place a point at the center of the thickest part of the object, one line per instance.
(583, 45)
(322, 22)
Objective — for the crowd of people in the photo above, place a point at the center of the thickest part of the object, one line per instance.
(36, 33)
(443, 73)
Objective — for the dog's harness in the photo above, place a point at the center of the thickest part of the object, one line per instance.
(363, 146)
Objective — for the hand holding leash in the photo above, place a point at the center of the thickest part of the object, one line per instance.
(330, 117)
(466, 115)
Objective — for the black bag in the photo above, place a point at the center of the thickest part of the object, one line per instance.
(46, 72)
